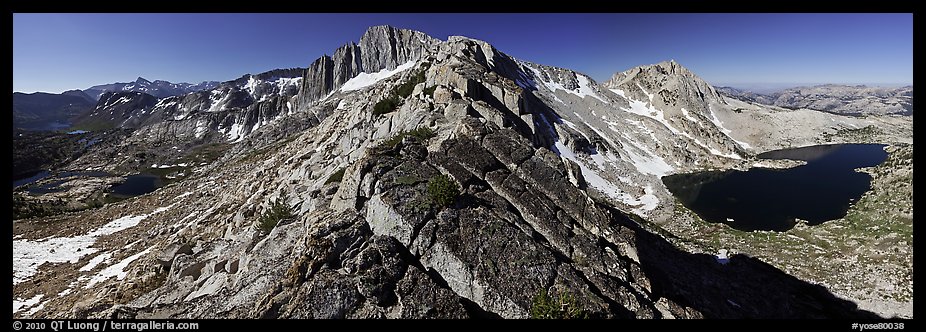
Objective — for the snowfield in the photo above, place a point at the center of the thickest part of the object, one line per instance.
(367, 79)
(28, 255)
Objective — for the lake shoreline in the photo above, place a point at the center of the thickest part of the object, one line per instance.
(814, 184)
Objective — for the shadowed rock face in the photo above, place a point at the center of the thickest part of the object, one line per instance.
(374, 244)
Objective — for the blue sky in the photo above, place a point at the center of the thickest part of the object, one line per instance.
(57, 52)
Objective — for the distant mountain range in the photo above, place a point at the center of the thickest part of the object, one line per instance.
(158, 88)
(50, 111)
(249, 95)
(834, 98)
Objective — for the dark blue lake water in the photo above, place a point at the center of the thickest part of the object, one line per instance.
(138, 184)
(767, 199)
(31, 179)
(134, 185)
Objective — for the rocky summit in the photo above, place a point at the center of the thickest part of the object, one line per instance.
(410, 177)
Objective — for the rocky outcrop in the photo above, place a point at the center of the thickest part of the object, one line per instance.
(228, 112)
(514, 232)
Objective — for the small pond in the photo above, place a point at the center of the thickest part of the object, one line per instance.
(133, 185)
(138, 184)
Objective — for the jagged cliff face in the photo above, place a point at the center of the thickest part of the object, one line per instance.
(233, 108)
(532, 216)
(381, 48)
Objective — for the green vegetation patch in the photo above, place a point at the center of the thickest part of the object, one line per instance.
(420, 134)
(400, 92)
(442, 190)
(277, 212)
(205, 153)
(405, 89)
(430, 90)
(93, 125)
(336, 176)
(387, 105)
(860, 134)
(872, 242)
(260, 154)
(406, 180)
(563, 306)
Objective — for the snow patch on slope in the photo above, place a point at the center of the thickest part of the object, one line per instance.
(20, 304)
(726, 131)
(691, 118)
(649, 95)
(646, 109)
(584, 89)
(28, 255)
(236, 133)
(36, 309)
(96, 261)
(363, 80)
(644, 203)
(251, 85)
(216, 100)
(648, 162)
(647, 202)
(116, 270)
(165, 103)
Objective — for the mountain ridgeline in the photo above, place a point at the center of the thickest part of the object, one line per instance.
(50, 111)
(840, 99)
(158, 88)
(486, 187)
